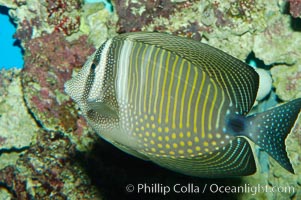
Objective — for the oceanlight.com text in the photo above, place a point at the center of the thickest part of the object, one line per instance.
(191, 188)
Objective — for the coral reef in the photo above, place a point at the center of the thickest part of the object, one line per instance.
(279, 35)
(97, 23)
(49, 61)
(133, 15)
(71, 18)
(52, 58)
(14, 137)
(60, 15)
(46, 16)
(34, 163)
(51, 172)
(46, 147)
(287, 81)
(221, 24)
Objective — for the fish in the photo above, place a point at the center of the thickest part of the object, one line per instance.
(181, 104)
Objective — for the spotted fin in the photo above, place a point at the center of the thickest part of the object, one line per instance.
(236, 159)
(270, 129)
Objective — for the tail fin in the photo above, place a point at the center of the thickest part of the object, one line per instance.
(269, 130)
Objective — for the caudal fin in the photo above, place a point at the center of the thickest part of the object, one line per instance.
(269, 130)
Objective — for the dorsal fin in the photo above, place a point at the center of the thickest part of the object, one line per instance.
(237, 79)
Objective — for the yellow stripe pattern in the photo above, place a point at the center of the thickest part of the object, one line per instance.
(175, 105)
(172, 98)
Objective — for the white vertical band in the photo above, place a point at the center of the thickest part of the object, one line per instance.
(96, 92)
(123, 68)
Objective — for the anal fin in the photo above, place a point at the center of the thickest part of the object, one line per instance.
(236, 159)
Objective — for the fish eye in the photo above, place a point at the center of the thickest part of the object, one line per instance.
(93, 66)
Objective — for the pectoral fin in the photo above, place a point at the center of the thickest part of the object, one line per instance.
(103, 109)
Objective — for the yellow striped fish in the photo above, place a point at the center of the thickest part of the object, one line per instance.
(181, 104)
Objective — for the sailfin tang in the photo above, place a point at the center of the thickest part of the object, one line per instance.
(270, 129)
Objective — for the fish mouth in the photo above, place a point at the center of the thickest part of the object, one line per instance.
(73, 88)
(71, 91)
(67, 88)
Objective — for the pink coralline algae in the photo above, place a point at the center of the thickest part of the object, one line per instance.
(68, 25)
(60, 15)
(49, 61)
(24, 33)
(192, 30)
(293, 80)
(58, 7)
(130, 21)
(295, 7)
